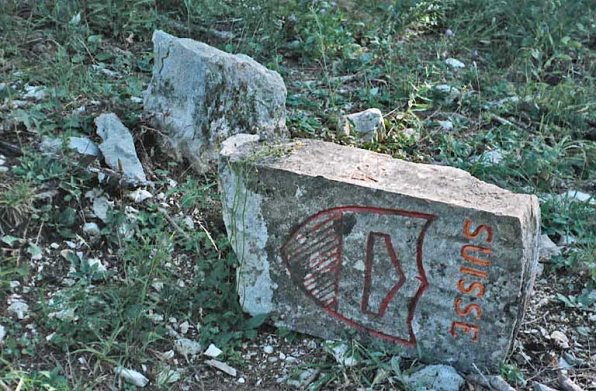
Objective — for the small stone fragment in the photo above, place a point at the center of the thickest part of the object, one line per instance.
(118, 147)
(268, 349)
(140, 195)
(446, 125)
(35, 92)
(499, 384)
(131, 376)
(19, 308)
(187, 347)
(84, 146)
(101, 206)
(541, 387)
(340, 353)
(367, 125)
(560, 339)
(304, 378)
(456, 64)
(548, 248)
(2, 333)
(213, 351)
(222, 367)
(91, 229)
(576, 195)
(435, 377)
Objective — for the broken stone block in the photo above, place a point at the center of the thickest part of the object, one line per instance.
(367, 125)
(118, 147)
(425, 257)
(199, 96)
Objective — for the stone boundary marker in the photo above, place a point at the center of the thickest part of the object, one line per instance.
(333, 238)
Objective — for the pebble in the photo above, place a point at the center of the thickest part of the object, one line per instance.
(241, 380)
(19, 308)
(268, 349)
(2, 333)
(91, 229)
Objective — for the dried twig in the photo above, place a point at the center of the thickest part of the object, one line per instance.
(174, 224)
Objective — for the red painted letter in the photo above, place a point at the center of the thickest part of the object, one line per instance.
(463, 313)
(467, 328)
(478, 231)
(473, 286)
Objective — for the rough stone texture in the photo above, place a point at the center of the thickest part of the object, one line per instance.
(435, 377)
(118, 146)
(367, 125)
(199, 96)
(374, 244)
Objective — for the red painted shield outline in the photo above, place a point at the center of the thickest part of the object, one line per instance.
(323, 287)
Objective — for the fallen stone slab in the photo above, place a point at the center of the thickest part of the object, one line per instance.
(199, 96)
(331, 238)
(118, 147)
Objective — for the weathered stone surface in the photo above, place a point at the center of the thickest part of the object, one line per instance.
(367, 125)
(199, 96)
(332, 238)
(118, 147)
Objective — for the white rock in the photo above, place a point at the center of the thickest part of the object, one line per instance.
(222, 367)
(2, 333)
(118, 147)
(576, 195)
(268, 349)
(548, 249)
(101, 206)
(560, 339)
(340, 353)
(91, 229)
(131, 376)
(50, 145)
(435, 377)
(241, 380)
(184, 326)
(213, 351)
(187, 347)
(35, 92)
(140, 195)
(19, 308)
(188, 222)
(492, 157)
(446, 125)
(84, 146)
(367, 125)
(456, 64)
(199, 96)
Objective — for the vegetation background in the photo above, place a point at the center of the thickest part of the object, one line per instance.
(519, 113)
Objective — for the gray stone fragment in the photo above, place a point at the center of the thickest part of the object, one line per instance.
(91, 229)
(83, 145)
(541, 387)
(118, 146)
(435, 377)
(131, 376)
(332, 238)
(367, 125)
(199, 96)
(548, 249)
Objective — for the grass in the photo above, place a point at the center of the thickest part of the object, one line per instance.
(526, 95)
